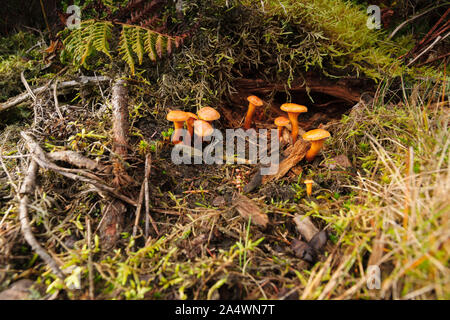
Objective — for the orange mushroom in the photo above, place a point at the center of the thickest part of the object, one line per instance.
(317, 138)
(202, 129)
(254, 102)
(281, 122)
(190, 122)
(178, 118)
(293, 111)
(208, 114)
(309, 184)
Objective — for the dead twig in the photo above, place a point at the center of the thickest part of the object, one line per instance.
(76, 159)
(439, 38)
(26, 190)
(401, 25)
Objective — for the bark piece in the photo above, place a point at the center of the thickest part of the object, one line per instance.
(305, 227)
(294, 154)
(248, 208)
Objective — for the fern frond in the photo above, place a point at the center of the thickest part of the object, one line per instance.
(126, 47)
(161, 45)
(150, 45)
(101, 35)
(138, 44)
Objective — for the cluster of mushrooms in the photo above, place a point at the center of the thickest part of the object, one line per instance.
(201, 126)
(198, 124)
(316, 136)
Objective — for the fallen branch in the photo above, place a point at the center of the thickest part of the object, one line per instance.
(26, 190)
(63, 85)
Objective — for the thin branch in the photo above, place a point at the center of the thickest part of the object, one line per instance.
(26, 190)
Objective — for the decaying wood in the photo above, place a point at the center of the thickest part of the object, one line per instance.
(26, 190)
(305, 227)
(344, 89)
(295, 154)
(248, 209)
(120, 132)
(63, 85)
(42, 159)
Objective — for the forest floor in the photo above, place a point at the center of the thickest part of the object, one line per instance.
(380, 194)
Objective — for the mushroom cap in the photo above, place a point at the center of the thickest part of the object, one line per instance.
(177, 116)
(308, 181)
(202, 128)
(254, 100)
(192, 115)
(293, 108)
(316, 134)
(281, 121)
(208, 114)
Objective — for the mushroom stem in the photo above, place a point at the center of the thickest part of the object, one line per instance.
(249, 116)
(280, 132)
(190, 126)
(178, 131)
(314, 150)
(293, 117)
(309, 189)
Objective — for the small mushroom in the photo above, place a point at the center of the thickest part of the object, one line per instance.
(178, 118)
(281, 122)
(309, 184)
(254, 102)
(208, 114)
(293, 111)
(317, 138)
(202, 129)
(190, 122)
